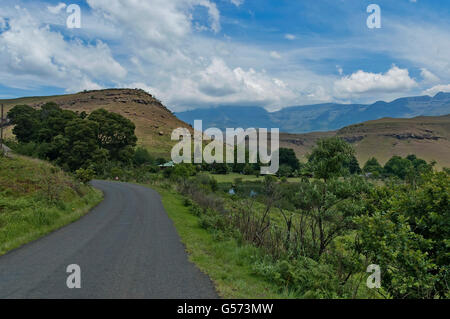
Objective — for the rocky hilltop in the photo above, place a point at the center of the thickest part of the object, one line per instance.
(426, 136)
(154, 122)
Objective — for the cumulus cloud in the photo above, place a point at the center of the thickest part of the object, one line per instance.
(33, 54)
(159, 22)
(436, 89)
(220, 84)
(362, 82)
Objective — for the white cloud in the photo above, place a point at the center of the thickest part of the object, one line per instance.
(158, 22)
(361, 82)
(2, 23)
(237, 3)
(220, 84)
(429, 49)
(33, 55)
(289, 36)
(436, 89)
(428, 76)
(56, 9)
(275, 55)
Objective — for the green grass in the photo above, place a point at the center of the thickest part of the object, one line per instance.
(37, 198)
(228, 264)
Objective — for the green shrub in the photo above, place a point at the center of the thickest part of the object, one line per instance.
(84, 175)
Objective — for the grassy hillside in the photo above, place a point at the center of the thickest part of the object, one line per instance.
(37, 198)
(154, 122)
(427, 137)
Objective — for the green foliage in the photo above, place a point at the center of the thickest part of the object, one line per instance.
(407, 235)
(248, 170)
(142, 157)
(353, 165)
(24, 118)
(306, 277)
(37, 198)
(329, 157)
(183, 170)
(84, 175)
(398, 166)
(70, 140)
(331, 205)
(373, 166)
(284, 171)
(409, 168)
(288, 157)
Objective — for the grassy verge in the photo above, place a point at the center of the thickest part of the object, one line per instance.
(37, 198)
(228, 264)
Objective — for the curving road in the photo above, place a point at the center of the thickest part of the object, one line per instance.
(126, 247)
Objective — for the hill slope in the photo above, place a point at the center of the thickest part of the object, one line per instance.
(154, 122)
(37, 198)
(320, 117)
(427, 137)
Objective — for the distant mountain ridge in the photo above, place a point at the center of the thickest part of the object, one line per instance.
(318, 117)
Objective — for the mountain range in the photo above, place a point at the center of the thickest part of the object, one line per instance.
(318, 117)
(426, 136)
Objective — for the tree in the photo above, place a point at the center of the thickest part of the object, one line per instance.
(330, 205)
(373, 166)
(24, 118)
(80, 145)
(398, 166)
(328, 158)
(288, 157)
(353, 165)
(115, 133)
(142, 156)
(284, 171)
(407, 235)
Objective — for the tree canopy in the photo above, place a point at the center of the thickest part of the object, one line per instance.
(74, 140)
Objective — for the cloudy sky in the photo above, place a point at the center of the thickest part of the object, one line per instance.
(202, 53)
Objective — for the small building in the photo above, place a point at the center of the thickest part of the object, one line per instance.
(166, 165)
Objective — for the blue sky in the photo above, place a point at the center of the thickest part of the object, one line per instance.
(202, 53)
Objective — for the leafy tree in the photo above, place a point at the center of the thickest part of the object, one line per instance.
(248, 169)
(288, 157)
(331, 206)
(397, 166)
(80, 147)
(142, 156)
(353, 165)
(24, 118)
(52, 121)
(373, 166)
(115, 133)
(284, 171)
(84, 175)
(407, 235)
(219, 168)
(73, 141)
(183, 170)
(328, 158)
